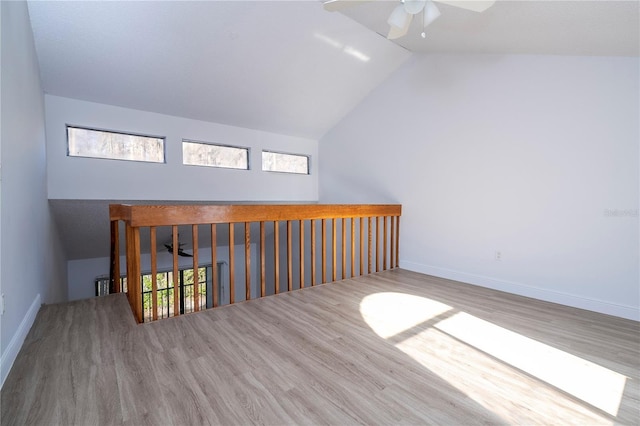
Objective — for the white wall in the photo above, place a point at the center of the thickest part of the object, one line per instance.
(85, 178)
(81, 274)
(74, 178)
(32, 257)
(525, 155)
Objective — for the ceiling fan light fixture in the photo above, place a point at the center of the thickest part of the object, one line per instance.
(414, 7)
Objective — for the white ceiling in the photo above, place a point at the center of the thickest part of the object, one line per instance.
(546, 27)
(288, 67)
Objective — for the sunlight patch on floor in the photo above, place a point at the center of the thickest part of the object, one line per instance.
(389, 314)
(590, 382)
(478, 358)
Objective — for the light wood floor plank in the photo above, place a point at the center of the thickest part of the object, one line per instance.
(337, 353)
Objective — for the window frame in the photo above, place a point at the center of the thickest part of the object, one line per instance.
(117, 132)
(307, 156)
(194, 141)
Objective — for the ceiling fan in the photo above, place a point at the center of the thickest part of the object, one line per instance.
(402, 15)
(181, 252)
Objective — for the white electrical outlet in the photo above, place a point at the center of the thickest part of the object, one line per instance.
(498, 256)
(2, 304)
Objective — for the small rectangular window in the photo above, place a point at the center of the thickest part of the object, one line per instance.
(83, 142)
(286, 163)
(212, 155)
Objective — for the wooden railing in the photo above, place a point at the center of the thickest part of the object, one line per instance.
(372, 230)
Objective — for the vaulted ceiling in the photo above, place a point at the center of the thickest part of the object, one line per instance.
(542, 27)
(288, 67)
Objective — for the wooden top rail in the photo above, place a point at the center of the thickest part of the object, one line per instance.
(165, 215)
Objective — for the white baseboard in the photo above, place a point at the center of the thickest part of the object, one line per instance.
(11, 353)
(622, 311)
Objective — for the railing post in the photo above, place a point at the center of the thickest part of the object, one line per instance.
(344, 247)
(333, 249)
(114, 269)
(369, 240)
(276, 257)
(398, 242)
(289, 258)
(247, 260)
(232, 265)
(378, 244)
(361, 246)
(196, 274)
(353, 246)
(263, 262)
(133, 271)
(154, 274)
(214, 264)
(324, 250)
(301, 254)
(313, 252)
(175, 244)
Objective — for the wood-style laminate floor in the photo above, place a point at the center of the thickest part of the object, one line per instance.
(391, 348)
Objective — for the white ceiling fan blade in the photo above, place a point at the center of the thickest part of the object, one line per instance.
(474, 5)
(395, 33)
(431, 13)
(399, 21)
(338, 5)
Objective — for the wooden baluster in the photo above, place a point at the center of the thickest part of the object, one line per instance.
(344, 247)
(214, 264)
(196, 276)
(361, 245)
(276, 256)
(398, 242)
(247, 260)
(353, 246)
(301, 254)
(313, 252)
(377, 244)
(263, 275)
(232, 265)
(369, 241)
(324, 250)
(154, 274)
(333, 249)
(393, 242)
(114, 270)
(384, 244)
(289, 258)
(176, 283)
